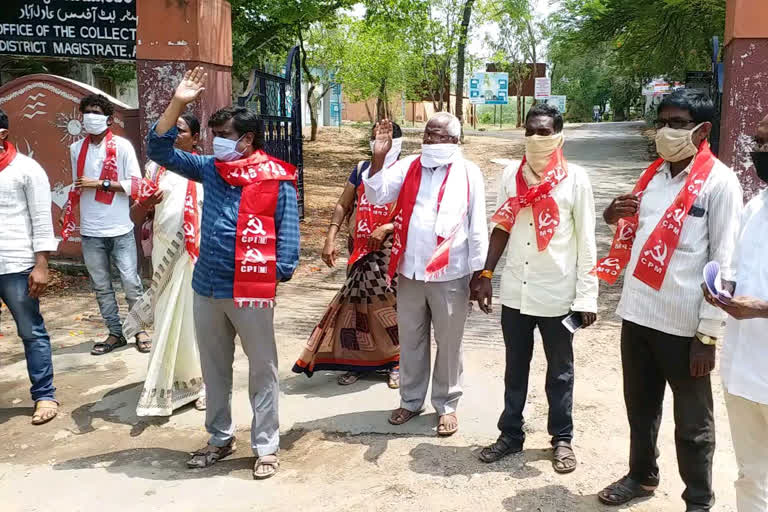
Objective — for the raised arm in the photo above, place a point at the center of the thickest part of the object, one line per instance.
(163, 135)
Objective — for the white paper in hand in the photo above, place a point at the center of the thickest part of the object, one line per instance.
(713, 280)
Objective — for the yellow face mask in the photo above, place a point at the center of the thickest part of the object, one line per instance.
(538, 153)
(675, 145)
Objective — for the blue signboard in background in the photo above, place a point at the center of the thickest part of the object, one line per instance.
(489, 88)
(335, 103)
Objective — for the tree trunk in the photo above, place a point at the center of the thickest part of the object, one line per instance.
(381, 110)
(460, 62)
(310, 91)
(368, 110)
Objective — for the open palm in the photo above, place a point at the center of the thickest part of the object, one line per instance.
(191, 86)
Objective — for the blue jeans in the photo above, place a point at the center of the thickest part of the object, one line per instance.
(99, 253)
(14, 292)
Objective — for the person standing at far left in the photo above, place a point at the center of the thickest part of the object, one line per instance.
(25, 242)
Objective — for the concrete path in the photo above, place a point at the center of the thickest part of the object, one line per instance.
(338, 451)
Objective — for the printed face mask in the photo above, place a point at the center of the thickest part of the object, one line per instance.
(225, 150)
(438, 155)
(95, 124)
(675, 145)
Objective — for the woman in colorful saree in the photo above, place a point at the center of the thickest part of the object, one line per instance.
(358, 332)
(173, 203)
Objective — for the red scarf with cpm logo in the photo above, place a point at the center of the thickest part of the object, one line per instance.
(368, 217)
(108, 172)
(259, 175)
(143, 188)
(546, 214)
(446, 230)
(7, 156)
(661, 244)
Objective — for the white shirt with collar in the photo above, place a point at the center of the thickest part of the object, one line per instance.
(552, 282)
(98, 219)
(744, 359)
(25, 210)
(709, 234)
(469, 254)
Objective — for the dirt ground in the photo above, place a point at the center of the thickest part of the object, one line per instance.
(338, 453)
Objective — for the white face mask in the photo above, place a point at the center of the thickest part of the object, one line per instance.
(394, 153)
(438, 155)
(225, 150)
(539, 149)
(676, 145)
(95, 124)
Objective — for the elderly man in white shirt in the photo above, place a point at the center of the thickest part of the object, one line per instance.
(683, 212)
(25, 241)
(103, 168)
(546, 218)
(745, 352)
(440, 239)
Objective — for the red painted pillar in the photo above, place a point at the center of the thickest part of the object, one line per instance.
(745, 94)
(173, 37)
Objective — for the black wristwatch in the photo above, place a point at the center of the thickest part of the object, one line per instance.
(105, 185)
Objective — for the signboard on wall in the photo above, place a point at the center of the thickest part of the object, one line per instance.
(69, 28)
(543, 88)
(489, 88)
(335, 98)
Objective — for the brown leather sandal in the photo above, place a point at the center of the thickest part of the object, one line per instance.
(442, 428)
(45, 411)
(402, 416)
(266, 467)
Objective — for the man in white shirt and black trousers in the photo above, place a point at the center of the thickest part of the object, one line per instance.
(546, 218)
(744, 358)
(683, 212)
(103, 166)
(440, 238)
(26, 239)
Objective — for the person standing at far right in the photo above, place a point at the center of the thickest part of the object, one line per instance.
(745, 351)
(683, 212)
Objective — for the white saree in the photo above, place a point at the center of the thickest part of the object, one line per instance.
(174, 377)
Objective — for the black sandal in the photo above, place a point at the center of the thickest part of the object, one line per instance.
(210, 455)
(503, 446)
(105, 347)
(563, 458)
(623, 491)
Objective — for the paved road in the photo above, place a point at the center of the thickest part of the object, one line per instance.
(100, 449)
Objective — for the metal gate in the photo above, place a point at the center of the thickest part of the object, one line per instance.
(277, 101)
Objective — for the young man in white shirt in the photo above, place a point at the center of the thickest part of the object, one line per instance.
(745, 352)
(546, 218)
(103, 165)
(440, 239)
(25, 242)
(683, 212)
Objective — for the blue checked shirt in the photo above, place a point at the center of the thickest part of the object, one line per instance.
(215, 270)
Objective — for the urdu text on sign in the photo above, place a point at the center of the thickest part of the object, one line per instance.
(102, 29)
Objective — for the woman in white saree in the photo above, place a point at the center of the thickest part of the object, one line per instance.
(173, 377)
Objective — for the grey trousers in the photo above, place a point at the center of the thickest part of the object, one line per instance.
(217, 321)
(421, 305)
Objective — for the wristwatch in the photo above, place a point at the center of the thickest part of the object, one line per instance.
(488, 274)
(105, 185)
(706, 340)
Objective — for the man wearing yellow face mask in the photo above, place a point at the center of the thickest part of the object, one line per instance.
(683, 212)
(546, 218)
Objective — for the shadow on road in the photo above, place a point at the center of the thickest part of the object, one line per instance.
(323, 384)
(553, 497)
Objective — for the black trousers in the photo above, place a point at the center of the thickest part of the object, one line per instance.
(650, 359)
(558, 348)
